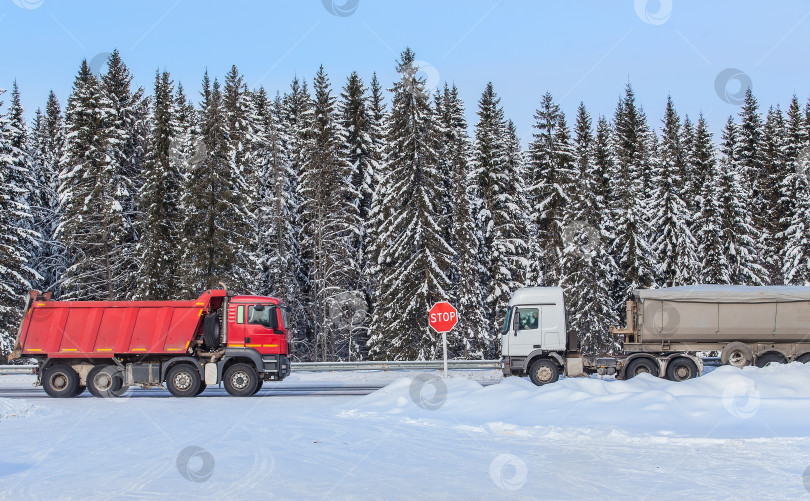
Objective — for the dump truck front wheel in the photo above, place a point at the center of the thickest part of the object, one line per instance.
(61, 381)
(544, 371)
(241, 380)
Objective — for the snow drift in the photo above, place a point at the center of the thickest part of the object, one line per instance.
(726, 403)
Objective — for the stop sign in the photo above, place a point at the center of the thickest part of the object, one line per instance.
(443, 316)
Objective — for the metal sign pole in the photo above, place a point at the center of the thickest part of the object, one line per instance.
(444, 344)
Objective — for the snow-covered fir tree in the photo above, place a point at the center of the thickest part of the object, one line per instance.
(16, 235)
(240, 118)
(630, 248)
(497, 192)
(712, 265)
(211, 202)
(795, 199)
(48, 258)
(740, 242)
(96, 227)
(331, 225)
(586, 264)
(159, 247)
(470, 338)
(550, 177)
(276, 234)
(414, 258)
(128, 130)
(775, 166)
(749, 163)
(673, 242)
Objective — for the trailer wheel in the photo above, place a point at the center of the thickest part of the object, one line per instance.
(60, 381)
(641, 366)
(106, 381)
(241, 380)
(737, 354)
(544, 371)
(772, 357)
(183, 380)
(681, 369)
(803, 358)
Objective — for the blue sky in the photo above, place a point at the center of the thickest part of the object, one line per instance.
(577, 50)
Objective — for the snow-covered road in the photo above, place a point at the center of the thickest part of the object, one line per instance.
(730, 434)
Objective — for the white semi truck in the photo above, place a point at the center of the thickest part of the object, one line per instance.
(665, 330)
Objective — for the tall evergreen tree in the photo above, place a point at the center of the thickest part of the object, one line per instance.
(499, 206)
(159, 246)
(794, 203)
(551, 176)
(330, 220)
(470, 339)
(673, 241)
(585, 262)
(96, 226)
(414, 259)
(127, 128)
(211, 237)
(48, 256)
(740, 240)
(631, 248)
(16, 235)
(713, 267)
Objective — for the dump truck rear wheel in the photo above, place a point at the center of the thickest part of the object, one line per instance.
(804, 358)
(60, 381)
(183, 380)
(681, 369)
(544, 371)
(737, 354)
(768, 358)
(641, 366)
(106, 381)
(241, 380)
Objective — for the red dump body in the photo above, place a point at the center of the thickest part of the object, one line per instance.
(94, 329)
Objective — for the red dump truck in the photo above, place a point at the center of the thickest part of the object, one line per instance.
(108, 346)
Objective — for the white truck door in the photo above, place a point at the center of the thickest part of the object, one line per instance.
(553, 327)
(526, 334)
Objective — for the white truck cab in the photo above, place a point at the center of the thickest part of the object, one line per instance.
(534, 338)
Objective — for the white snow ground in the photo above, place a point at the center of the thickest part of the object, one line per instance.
(731, 434)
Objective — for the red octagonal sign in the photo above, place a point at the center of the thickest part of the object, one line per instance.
(443, 316)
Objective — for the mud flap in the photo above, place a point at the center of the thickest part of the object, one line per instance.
(573, 367)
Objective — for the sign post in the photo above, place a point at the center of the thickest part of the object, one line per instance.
(442, 318)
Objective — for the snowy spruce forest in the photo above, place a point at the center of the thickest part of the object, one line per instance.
(362, 203)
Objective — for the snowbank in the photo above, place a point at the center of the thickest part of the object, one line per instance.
(726, 403)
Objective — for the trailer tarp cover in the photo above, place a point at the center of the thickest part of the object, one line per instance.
(726, 294)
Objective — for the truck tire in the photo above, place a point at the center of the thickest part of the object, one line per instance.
(106, 381)
(183, 380)
(641, 366)
(79, 390)
(681, 369)
(60, 381)
(771, 357)
(544, 371)
(203, 386)
(258, 386)
(211, 330)
(803, 359)
(737, 354)
(241, 380)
